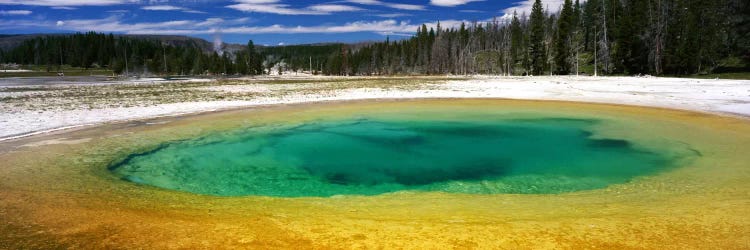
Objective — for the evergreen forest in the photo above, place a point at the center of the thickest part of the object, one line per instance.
(602, 37)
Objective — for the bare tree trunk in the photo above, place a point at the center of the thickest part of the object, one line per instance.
(127, 70)
(659, 40)
(596, 56)
(605, 45)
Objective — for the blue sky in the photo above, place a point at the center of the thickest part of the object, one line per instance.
(269, 22)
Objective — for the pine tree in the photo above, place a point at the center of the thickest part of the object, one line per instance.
(254, 59)
(517, 46)
(536, 38)
(562, 41)
(631, 52)
(577, 38)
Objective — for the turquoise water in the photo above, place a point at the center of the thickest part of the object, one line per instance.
(372, 156)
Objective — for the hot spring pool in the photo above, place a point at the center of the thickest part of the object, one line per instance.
(479, 153)
(457, 173)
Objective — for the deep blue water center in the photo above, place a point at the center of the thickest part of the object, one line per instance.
(374, 156)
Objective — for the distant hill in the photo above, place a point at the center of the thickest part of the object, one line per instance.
(8, 42)
(106, 52)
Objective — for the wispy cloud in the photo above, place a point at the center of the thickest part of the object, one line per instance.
(552, 6)
(210, 22)
(63, 8)
(242, 20)
(277, 7)
(66, 2)
(359, 26)
(15, 12)
(170, 8)
(451, 3)
(392, 15)
(400, 6)
(471, 11)
(333, 8)
(21, 24)
(115, 25)
(212, 25)
(389, 33)
(215, 21)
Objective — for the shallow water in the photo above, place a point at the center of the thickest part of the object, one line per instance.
(478, 153)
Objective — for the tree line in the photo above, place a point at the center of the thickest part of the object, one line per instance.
(659, 37)
(674, 37)
(131, 55)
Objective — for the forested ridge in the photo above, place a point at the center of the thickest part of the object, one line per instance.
(132, 55)
(675, 37)
(659, 37)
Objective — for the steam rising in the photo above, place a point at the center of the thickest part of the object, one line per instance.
(218, 42)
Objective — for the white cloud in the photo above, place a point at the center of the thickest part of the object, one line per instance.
(281, 9)
(65, 2)
(114, 24)
(20, 24)
(392, 15)
(170, 8)
(15, 12)
(389, 33)
(333, 8)
(360, 26)
(194, 11)
(241, 20)
(551, 6)
(276, 7)
(379, 27)
(63, 8)
(215, 21)
(257, 1)
(161, 7)
(210, 22)
(400, 6)
(117, 23)
(451, 3)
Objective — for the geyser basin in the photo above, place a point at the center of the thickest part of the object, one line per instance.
(56, 190)
(483, 152)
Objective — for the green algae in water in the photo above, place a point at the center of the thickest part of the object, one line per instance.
(375, 156)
